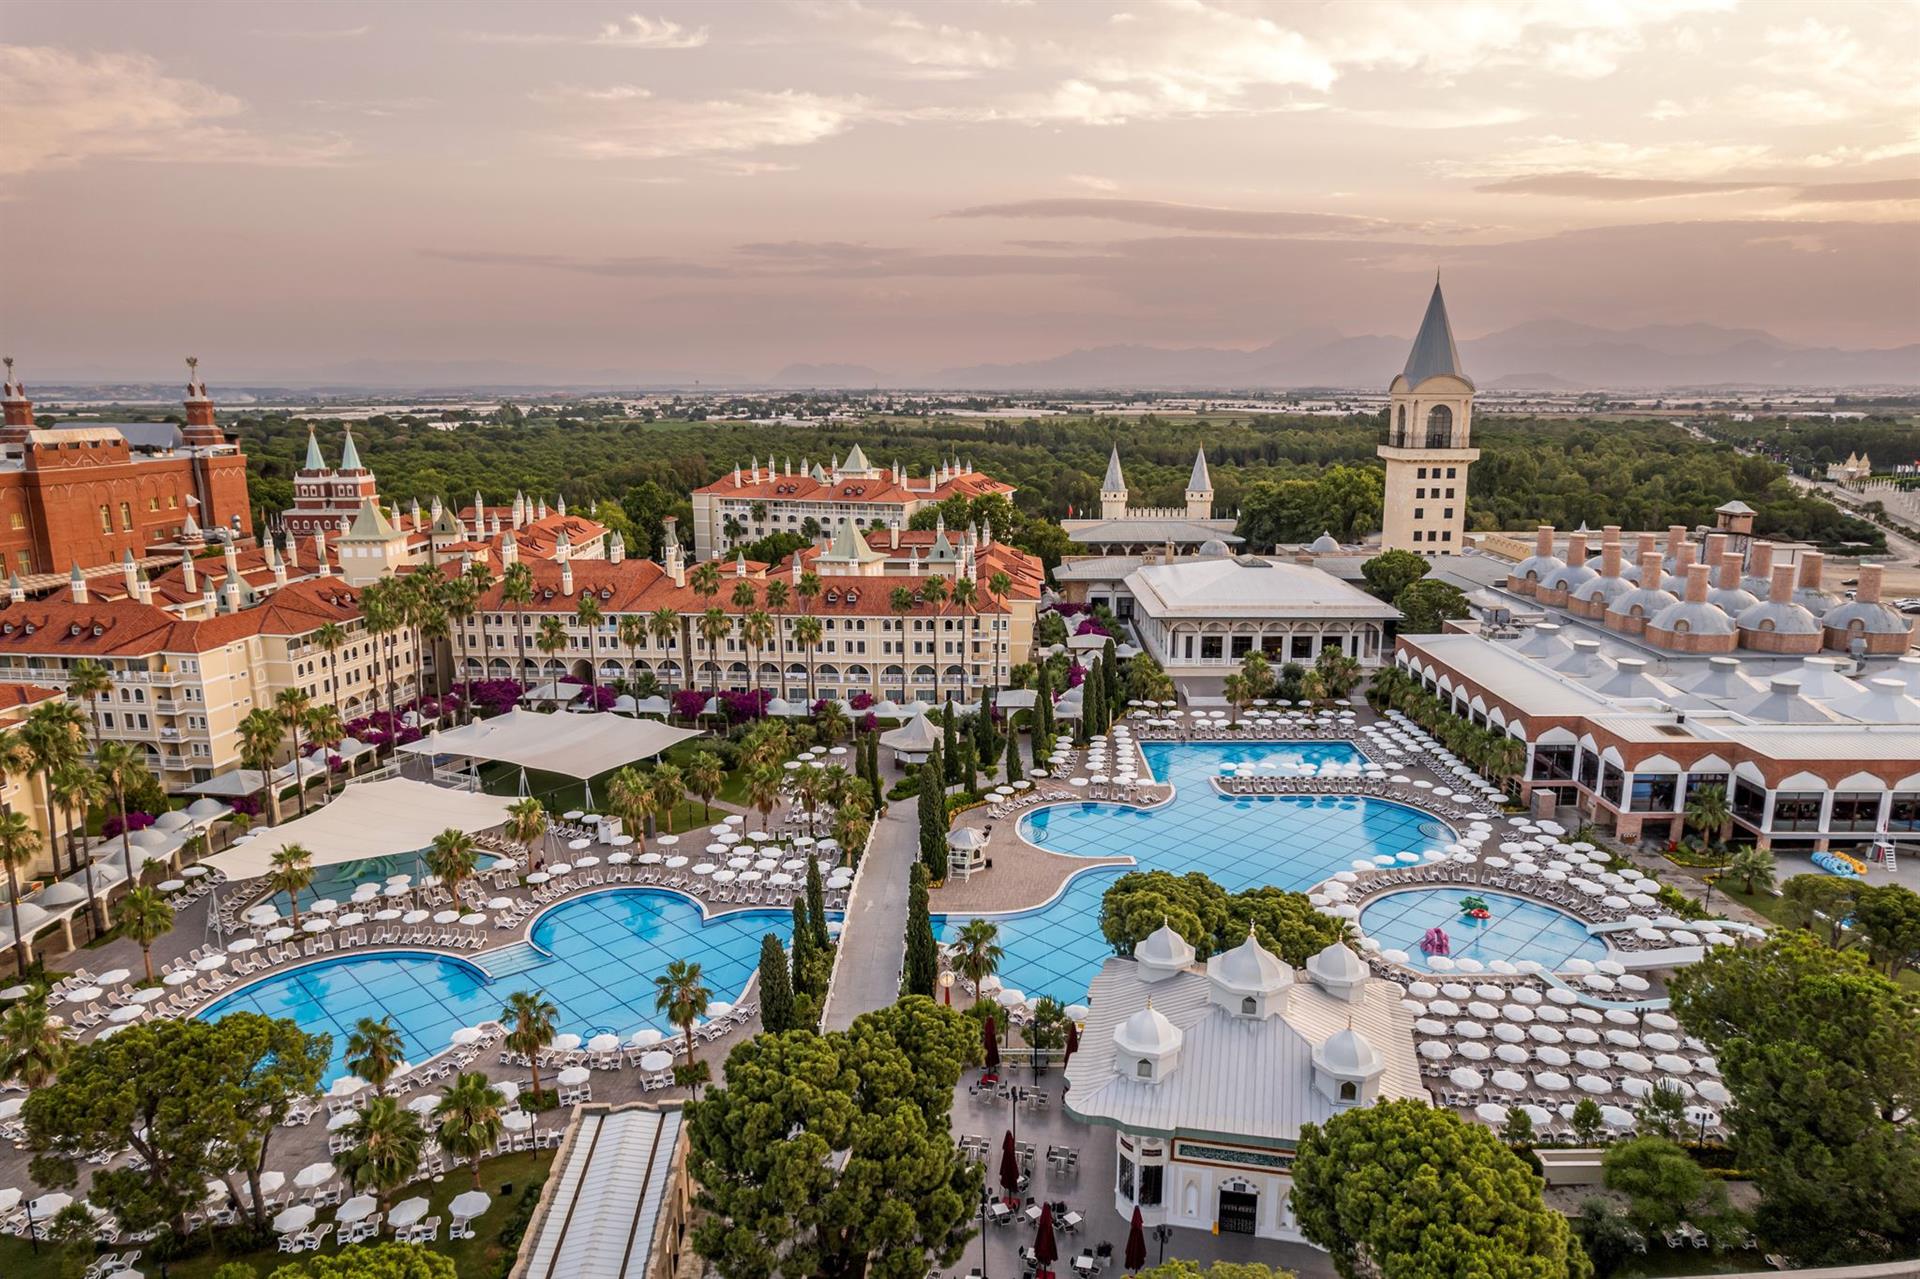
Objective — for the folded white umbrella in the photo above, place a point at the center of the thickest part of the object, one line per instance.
(1673, 1064)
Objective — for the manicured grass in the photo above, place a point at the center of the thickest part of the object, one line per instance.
(476, 1258)
(1762, 903)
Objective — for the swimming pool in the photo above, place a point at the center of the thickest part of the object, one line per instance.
(604, 950)
(1239, 841)
(1518, 929)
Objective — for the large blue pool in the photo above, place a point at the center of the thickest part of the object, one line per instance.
(1240, 842)
(1518, 929)
(604, 950)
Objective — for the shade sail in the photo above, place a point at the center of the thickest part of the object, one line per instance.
(369, 819)
(915, 737)
(571, 745)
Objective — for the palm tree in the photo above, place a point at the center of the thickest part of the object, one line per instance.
(706, 775)
(53, 735)
(19, 844)
(82, 791)
(669, 788)
(633, 633)
(529, 1016)
(831, 723)
(468, 1120)
(1753, 865)
(331, 637)
(587, 613)
(1707, 813)
(935, 591)
(777, 595)
(453, 857)
(526, 823)
(763, 789)
(374, 1051)
(260, 736)
(901, 602)
(807, 633)
(965, 594)
(32, 1048)
(630, 794)
(1000, 583)
(118, 764)
(715, 626)
(293, 703)
(88, 681)
(325, 731)
(146, 917)
(1234, 688)
(516, 588)
(682, 996)
(663, 627)
(385, 1153)
(809, 785)
(552, 635)
(382, 612)
(432, 624)
(457, 600)
(976, 951)
(757, 629)
(291, 873)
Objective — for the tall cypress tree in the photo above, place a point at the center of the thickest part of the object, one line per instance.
(776, 987)
(802, 946)
(1014, 770)
(817, 906)
(950, 746)
(873, 774)
(1116, 699)
(985, 732)
(933, 821)
(969, 768)
(923, 961)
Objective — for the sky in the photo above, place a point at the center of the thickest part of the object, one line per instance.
(720, 190)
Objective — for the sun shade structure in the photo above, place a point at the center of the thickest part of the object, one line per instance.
(369, 819)
(571, 745)
(614, 1193)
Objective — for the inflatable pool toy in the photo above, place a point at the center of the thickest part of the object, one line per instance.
(1840, 864)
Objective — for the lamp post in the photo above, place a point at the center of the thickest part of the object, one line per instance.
(1162, 1233)
(946, 987)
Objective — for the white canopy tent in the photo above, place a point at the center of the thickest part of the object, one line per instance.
(912, 741)
(571, 745)
(369, 819)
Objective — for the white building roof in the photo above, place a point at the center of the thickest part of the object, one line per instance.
(1237, 1077)
(1151, 530)
(601, 1215)
(1248, 586)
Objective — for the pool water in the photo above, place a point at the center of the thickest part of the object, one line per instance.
(606, 948)
(1519, 929)
(1239, 841)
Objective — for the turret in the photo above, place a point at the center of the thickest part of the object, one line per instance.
(292, 553)
(509, 550)
(230, 594)
(77, 584)
(320, 555)
(315, 464)
(566, 578)
(15, 591)
(616, 548)
(673, 557)
(201, 429)
(130, 574)
(1113, 489)
(17, 407)
(189, 574)
(1200, 489)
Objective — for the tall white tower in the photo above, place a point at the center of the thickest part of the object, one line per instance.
(1200, 489)
(1113, 489)
(1428, 447)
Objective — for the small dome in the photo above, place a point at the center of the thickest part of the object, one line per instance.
(1815, 601)
(1338, 963)
(1324, 545)
(1249, 969)
(1602, 590)
(1782, 619)
(1647, 599)
(1214, 549)
(1732, 600)
(1165, 949)
(1148, 1034)
(1874, 619)
(1696, 618)
(1538, 567)
(1568, 577)
(1348, 1052)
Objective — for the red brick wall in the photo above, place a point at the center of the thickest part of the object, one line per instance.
(56, 504)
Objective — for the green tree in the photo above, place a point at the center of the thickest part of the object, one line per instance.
(468, 1119)
(832, 1156)
(32, 1048)
(386, 1141)
(705, 776)
(776, 987)
(291, 873)
(146, 917)
(526, 823)
(529, 1019)
(375, 1050)
(976, 950)
(194, 1100)
(817, 905)
(1821, 904)
(1662, 1183)
(1606, 1234)
(1753, 866)
(1390, 572)
(923, 956)
(19, 845)
(1400, 1188)
(681, 993)
(1427, 603)
(932, 803)
(1586, 1121)
(453, 856)
(371, 1261)
(1707, 812)
(1822, 1056)
(1888, 917)
(1211, 919)
(1178, 1269)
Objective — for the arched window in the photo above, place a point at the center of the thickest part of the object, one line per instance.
(1400, 428)
(1439, 427)
(1248, 1006)
(1349, 1091)
(1144, 1069)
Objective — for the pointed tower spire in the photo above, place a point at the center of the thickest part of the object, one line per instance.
(1115, 480)
(1113, 489)
(1434, 353)
(314, 461)
(349, 455)
(1200, 481)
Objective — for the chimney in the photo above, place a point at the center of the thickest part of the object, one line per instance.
(1781, 591)
(189, 573)
(1676, 538)
(1643, 543)
(1811, 562)
(230, 594)
(77, 584)
(320, 553)
(796, 568)
(1730, 570)
(1762, 562)
(1650, 569)
(1609, 533)
(1610, 559)
(292, 555)
(563, 547)
(893, 535)
(509, 550)
(209, 599)
(16, 593)
(1543, 541)
(1716, 547)
(1576, 550)
(1683, 557)
(736, 477)
(232, 554)
(1697, 575)
(1871, 575)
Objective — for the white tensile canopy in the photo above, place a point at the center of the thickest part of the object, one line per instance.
(571, 745)
(369, 819)
(917, 736)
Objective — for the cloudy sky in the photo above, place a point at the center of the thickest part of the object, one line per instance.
(722, 189)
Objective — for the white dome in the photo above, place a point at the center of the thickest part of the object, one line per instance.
(1338, 963)
(1249, 969)
(1324, 545)
(1148, 1034)
(1165, 949)
(1349, 1053)
(1214, 548)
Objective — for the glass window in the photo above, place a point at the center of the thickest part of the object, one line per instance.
(126, 518)
(1611, 780)
(1856, 810)
(1152, 1177)
(1242, 645)
(1697, 782)
(1653, 792)
(106, 518)
(1210, 648)
(1749, 802)
(1553, 763)
(1589, 769)
(1126, 1174)
(1797, 810)
(1905, 814)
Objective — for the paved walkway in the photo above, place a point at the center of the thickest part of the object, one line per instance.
(873, 943)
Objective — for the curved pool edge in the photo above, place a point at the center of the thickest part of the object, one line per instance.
(1444, 886)
(367, 954)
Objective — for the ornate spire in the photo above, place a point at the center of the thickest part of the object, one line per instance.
(1200, 481)
(1434, 353)
(349, 455)
(314, 461)
(1115, 481)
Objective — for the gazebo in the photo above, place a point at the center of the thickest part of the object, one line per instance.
(913, 741)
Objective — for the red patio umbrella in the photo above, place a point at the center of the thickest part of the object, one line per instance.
(1137, 1243)
(1045, 1251)
(992, 1045)
(1010, 1169)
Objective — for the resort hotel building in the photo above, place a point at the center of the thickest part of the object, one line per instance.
(1130, 530)
(1207, 1073)
(757, 500)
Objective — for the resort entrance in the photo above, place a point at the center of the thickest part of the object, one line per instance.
(1239, 1211)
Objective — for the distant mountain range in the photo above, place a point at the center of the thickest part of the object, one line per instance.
(1538, 355)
